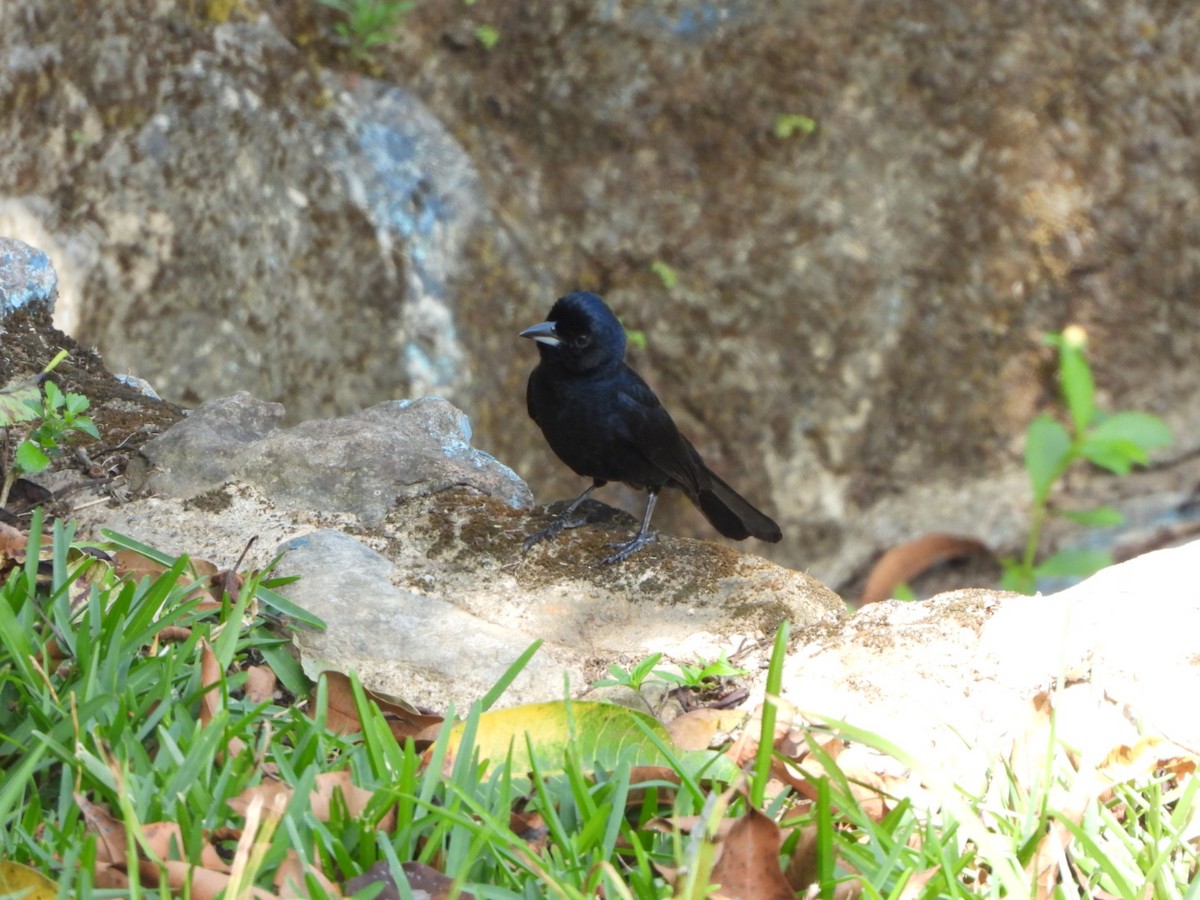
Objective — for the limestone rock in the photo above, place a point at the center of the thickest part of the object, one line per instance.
(358, 464)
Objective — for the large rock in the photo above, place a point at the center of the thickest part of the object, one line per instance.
(853, 338)
(360, 464)
(409, 544)
(952, 680)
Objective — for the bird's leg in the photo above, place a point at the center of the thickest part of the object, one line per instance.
(563, 520)
(639, 540)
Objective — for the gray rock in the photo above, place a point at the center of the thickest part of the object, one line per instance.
(404, 643)
(854, 336)
(27, 278)
(359, 464)
(204, 450)
(256, 196)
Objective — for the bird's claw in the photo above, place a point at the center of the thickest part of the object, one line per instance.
(628, 548)
(551, 530)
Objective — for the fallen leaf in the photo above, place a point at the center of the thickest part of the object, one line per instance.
(212, 700)
(325, 785)
(748, 865)
(110, 833)
(423, 881)
(609, 734)
(705, 728)
(12, 545)
(260, 684)
(21, 881)
(906, 561)
(341, 714)
(290, 878)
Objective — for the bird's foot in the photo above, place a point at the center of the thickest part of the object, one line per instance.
(562, 523)
(630, 547)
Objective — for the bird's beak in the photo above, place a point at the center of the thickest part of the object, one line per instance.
(543, 333)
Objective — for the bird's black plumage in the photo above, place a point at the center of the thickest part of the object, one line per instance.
(603, 421)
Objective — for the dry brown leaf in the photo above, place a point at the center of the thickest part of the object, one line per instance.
(210, 680)
(137, 566)
(289, 878)
(748, 865)
(917, 883)
(205, 883)
(174, 634)
(110, 833)
(165, 841)
(260, 684)
(531, 828)
(871, 790)
(341, 714)
(701, 728)
(109, 876)
(211, 701)
(1045, 865)
(906, 561)
(423, 881)
(356, 798)
(12, 544)
(802, 869)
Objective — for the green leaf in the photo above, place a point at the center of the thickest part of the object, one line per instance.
(77, 403)
(30, 458)
(1078, 388)
(1118, 456)
(1047, 453)
(1016, 576)
(666, 273)
(20, 403)
(87, 426)
(1100, 517)
(1147, 431)
(790, 124)
(54, 396)
(488, 36)
(1073, 564)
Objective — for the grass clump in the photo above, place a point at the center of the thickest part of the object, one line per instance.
(140, 757)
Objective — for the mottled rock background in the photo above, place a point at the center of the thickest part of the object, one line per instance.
(235, 202)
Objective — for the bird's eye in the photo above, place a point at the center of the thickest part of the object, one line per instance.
(581, 340)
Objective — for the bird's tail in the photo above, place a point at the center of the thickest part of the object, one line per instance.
(731, 513)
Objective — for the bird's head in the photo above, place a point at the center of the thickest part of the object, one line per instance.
(581, 334)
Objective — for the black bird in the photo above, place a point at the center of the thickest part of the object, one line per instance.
(604, 422)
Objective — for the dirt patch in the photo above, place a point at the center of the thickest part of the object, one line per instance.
(125, 418)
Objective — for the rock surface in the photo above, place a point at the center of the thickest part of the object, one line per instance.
(409, 544)
(359, 464)
(434, 600)
(952, 679)
(852, 332)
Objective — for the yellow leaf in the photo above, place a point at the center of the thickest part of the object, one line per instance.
(26, 883)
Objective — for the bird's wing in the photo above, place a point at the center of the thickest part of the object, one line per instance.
(649, 429)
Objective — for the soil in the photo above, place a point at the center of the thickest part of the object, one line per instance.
(125, 418)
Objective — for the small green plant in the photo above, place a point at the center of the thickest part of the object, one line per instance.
(631, 678)
(369, 24)
(788, 125)
(1114, 441)
(488, 36)
(666, 274)
(57, 416)
(703, 674)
